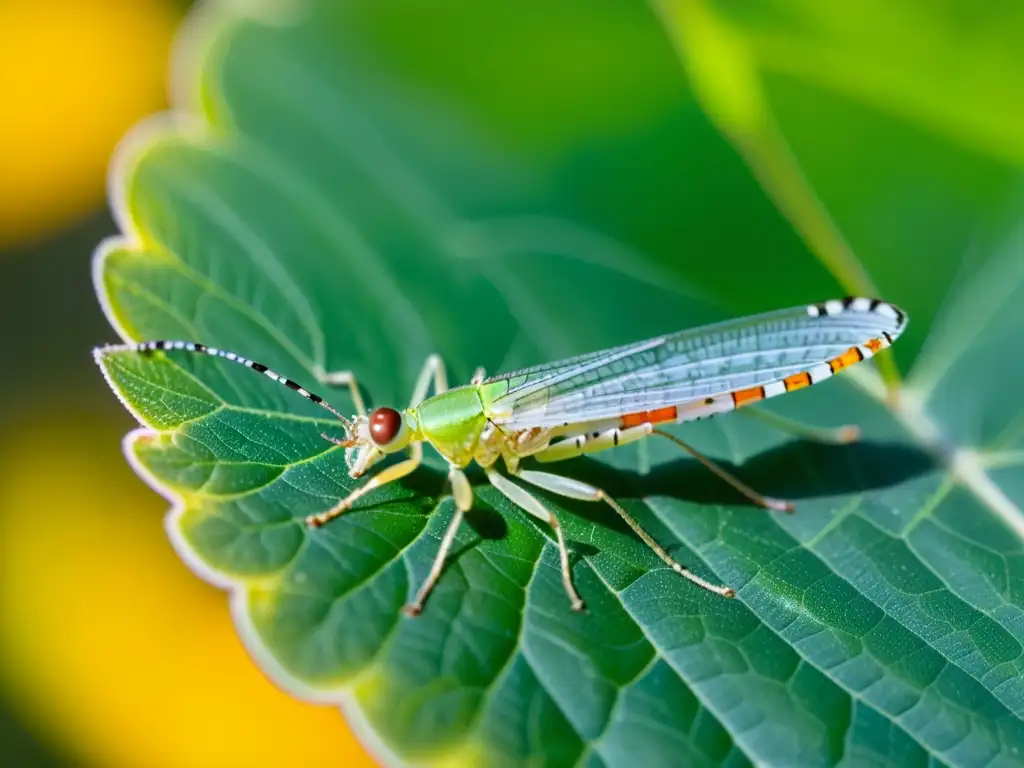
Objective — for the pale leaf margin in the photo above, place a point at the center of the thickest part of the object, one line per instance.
(191, 50)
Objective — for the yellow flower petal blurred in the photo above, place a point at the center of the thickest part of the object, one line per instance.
(74, 76)
(109, 645)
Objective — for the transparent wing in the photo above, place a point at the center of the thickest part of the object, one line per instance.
(694, 364)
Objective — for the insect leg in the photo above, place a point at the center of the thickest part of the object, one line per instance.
(346, 379)
(385, 476)
(462, 492)
(478, 375)
(779, 505)
(433, 370)
(592, 442)
(573, 489)
(844, 435)
(531, 504)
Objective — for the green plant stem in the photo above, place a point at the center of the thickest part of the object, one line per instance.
(727, 83)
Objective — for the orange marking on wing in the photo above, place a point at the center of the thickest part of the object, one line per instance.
(648, 417)
(852, 356)
(797, 381)
(874, 345)
(663, 414)
(746, 396)
(633, 419)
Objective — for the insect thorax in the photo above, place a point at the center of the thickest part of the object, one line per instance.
(452, 422)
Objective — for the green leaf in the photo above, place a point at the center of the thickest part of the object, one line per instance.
(952, 67)
(879, 132)
(323, 213)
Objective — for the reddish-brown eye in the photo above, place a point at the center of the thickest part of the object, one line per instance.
(384, 425)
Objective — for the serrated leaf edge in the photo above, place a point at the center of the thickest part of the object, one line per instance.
(238, 598)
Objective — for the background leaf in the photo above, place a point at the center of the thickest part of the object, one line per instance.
(334, 211)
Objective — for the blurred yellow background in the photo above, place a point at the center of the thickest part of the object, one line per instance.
(112, 653)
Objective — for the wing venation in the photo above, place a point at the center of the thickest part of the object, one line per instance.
(696, 364)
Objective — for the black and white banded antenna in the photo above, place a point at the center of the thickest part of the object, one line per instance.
(148, 347)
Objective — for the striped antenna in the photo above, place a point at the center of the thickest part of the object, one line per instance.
(148, 347)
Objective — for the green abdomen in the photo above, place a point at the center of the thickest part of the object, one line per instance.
(452, 423)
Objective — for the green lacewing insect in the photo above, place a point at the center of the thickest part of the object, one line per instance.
(590, 403)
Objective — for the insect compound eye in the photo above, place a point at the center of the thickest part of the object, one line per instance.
(385, 424)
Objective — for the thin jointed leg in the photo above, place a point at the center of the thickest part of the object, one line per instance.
(385, 476)
(433, 370)
(462, 493)
(849, 433)
(574, 489)
(346, 379)
(594, 442)
(531, 504)
(779, 505)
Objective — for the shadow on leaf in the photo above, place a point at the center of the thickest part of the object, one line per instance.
(794, 471)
